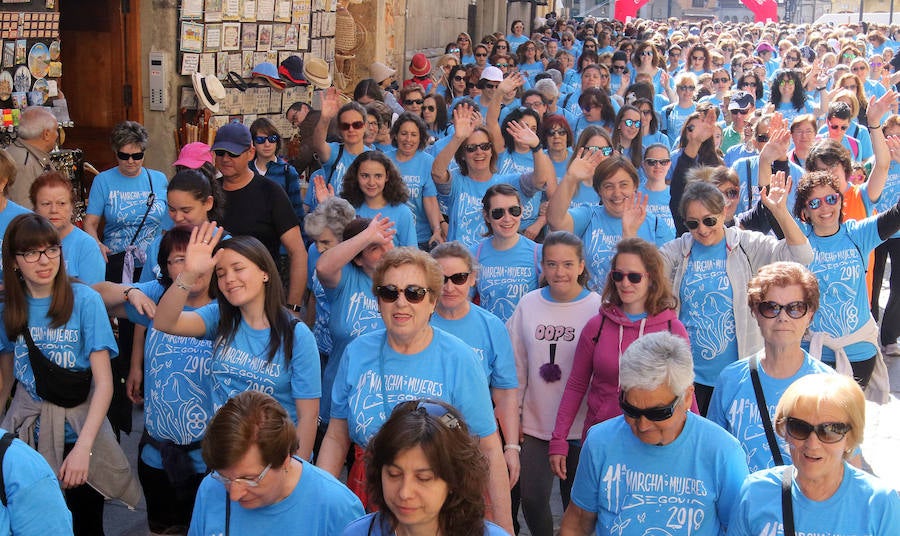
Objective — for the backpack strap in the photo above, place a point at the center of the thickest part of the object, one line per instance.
(749, 184)
(5, 441)
(764, 411)
(336, 162)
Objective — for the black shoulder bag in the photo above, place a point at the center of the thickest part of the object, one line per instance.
(764, 412)
(5, 442)
(58, 385)
(787, 507)
(115, 265)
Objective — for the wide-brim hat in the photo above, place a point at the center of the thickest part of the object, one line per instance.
(381, 72)
(209, 89)
(419, 66)
(291, 69)
(269, 73)
(316, 71)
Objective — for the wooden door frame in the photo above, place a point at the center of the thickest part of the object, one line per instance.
(134, 66)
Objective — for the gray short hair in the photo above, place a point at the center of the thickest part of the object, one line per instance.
(333, 214)
(547, 88)
(34, 121)
(704, 192)
(128, 132)
(657, 359)
(556, 76)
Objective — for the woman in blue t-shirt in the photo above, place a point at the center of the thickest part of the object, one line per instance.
(789, 96)
(256, 343)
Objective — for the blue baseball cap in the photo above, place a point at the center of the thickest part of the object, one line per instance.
(232, 137)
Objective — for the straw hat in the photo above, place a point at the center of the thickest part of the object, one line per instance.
(209, 90)
(316, 71)
(381, 72)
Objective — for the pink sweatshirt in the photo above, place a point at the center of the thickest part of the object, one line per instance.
(596, 365)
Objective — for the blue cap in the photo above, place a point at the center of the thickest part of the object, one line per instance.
(232, 137)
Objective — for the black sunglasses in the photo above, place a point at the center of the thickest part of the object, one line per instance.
(124, 157)
(709, 221)
(762, 138)
(223, 152)
(659, 413)
(653, 162)
(827, 432)
(390, 293)
(428, 108)
(633, 277)
(271, 138)
(770, 309)
(439, 412)
(606, 151)
(410, 102)
(458, 278)
(472, 147)
(497, 213)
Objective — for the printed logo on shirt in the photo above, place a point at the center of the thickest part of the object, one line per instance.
(367, 402)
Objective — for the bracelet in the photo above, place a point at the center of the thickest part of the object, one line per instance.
(180, 284)
(512, 446)
(870, 127)
(294, 307)
(537, 147)
(127, 290)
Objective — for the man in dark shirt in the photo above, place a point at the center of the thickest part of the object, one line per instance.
(258, 207)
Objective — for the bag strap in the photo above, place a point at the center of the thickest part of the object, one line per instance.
(5, 441)
(151, 199)
(336, 162)
(787, 506)
(749, 184)
(227, 514)
(764, 412)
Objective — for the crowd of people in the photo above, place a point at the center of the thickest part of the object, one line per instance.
(643, 259)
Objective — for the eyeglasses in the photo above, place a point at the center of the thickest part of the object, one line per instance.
(770, 309)
(439, 412)
(698, 58)
(727, 49)
(686, 88)
(249, 482)
(792, 58)
(654, 162)
(720, 80)
(459, 78)
(429, 108)
(837, 127)
(497, 213)
(647, 53)
(410, 102)
(659, 413)
(458, 278)
(606, 151)
(34, 255)
(762, 138)
(633, 277)
(481, 54)
(222, 152)
(603, 76)
(501, 45)
(412, 293)
(355, 125)
(827, 432)
(816, 202)
(557, 132)
(632, 123)
(618, 67)
(271, 138)
(876, 65)
(731, 193)
(472, 147)
(124, 157)
(709, 221)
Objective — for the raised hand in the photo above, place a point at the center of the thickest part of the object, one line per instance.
(778, 145)
(463, 120)
(522, 134)
(893, 143)
(583, 166)
(380, 230)
(323, 191)
(776, 198)
(330, 103)
(634, 214)
(878, 107)
(198, 256)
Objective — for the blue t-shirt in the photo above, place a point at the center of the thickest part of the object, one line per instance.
(505, 276)
(840, 263)
(488, 338)
(416, 173)
(35, 504)
(673, 118)
(333, 171)
(514, 42)
(177, 403)
(891, 192)
(379, 526)
(863, 505)
(373, 378)
(319, 505)
(733, 407)
(466, 223)
(685, 488)
(601, 232)
(243, 365)
(6, 215)
(707, 311)
(402, 217)
(83, 257)
(354, 311)
(122, 201)
(658, 205)
(515, 162)
(323, 308)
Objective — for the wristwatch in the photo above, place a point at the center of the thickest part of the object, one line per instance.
(294, 307)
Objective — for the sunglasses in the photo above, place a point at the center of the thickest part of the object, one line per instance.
(457, 279)
(633, 277)
(504, 46)
(410, 102)
(491, 86)
(742, 112)
(837, 127)
(497, 213)
(647, 53)
(785, 82)
(480, 54)
(762, 138)
(557, 132)
(792, 58)
(429, 108)
(698, 58)
(770, 309)
(654, 162)
(454, 51)
(124, 157)
(222, 152)
(501, 65)
(719, 80)
(731, 193)
(618, 67)
(632, 123)
(876, 65)
(459, 78)
(472, 147)
(748, 84)
(709, 221)
(816, 202)
(659, 413)
(827, 432)
(686, 88)
(355, 125)
(412, 293)
(439, 412)
(606, 151)
(271, 138)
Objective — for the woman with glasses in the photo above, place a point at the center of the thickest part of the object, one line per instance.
(721, 82)
(637, 299)
(789, 97)
(594, 140)
(783, 298)
(711, 264)
(627, 139)
(791, 59)
(821, 418)
(456, 85)
(844, 334)
(753, 84)
(557, 138)
(676, 114)
(464, 42)
(650, 132)
(410, 358)
(481, 53)
(516, 37)
(268, 163)
(544, 330)
(654, 169)
(426, 475)
(258, 483)
(528, 60)
(646, 59)
(485, 333)
(621, 478)
(57, 343)
(596, 110)
(434, 113)
(409, 136)
(698, 60)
